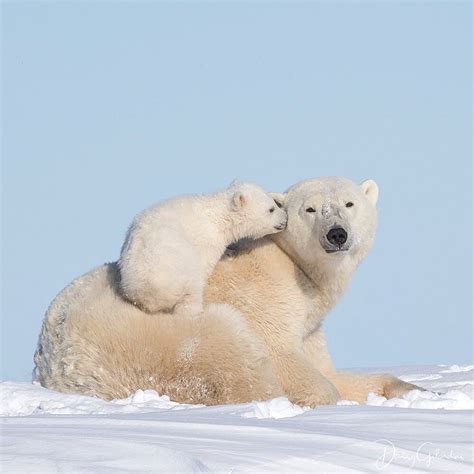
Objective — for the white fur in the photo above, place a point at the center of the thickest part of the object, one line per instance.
(271, 342)
(305, 238)
(171, 248)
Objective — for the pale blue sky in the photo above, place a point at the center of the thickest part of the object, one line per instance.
(109, 107)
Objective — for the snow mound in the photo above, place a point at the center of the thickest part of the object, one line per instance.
(276, 408)
(457, 368)
(23, 399)
(150, 399)
(456, 399)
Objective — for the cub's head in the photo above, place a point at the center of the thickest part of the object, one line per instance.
(329, 219)
(254, 211)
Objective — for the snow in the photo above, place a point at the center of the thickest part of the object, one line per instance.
(23, 399)
(47, 431)
(276, 408)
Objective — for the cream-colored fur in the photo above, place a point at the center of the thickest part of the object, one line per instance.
(270, 342)
(96, 352)
(171, 248)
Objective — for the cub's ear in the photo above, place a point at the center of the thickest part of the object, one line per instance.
(239, 200)
(235, 182)
(371, 190)
(279, 198)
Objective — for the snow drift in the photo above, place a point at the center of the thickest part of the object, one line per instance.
(46, 431)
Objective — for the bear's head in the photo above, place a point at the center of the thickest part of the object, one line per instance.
(330, 220)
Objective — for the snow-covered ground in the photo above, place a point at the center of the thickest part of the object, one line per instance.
(45, 431)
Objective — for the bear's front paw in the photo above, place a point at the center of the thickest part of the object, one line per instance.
(324, 393)
(396, 388)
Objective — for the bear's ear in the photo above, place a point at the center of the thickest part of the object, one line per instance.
(239, 200)
(371, 190)
(279, 198)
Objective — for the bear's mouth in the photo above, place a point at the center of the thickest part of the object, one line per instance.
(336, 250)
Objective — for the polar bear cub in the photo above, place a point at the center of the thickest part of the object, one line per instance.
(171, 248)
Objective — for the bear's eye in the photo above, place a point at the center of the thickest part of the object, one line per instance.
(278, 204)
(349, 204)
(310, 209)
(271, 210)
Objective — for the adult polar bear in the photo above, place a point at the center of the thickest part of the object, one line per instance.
(265, 339)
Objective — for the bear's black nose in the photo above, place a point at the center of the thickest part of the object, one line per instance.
(337, 236)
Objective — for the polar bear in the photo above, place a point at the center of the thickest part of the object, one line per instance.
(270, 343)
(172, 247)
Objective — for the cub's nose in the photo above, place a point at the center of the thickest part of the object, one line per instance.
(337, 236)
